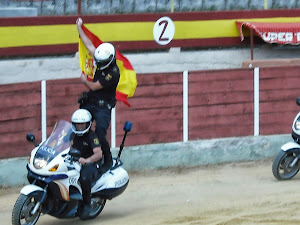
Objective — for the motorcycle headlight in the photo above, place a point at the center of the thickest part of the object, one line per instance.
(297, 124)
(39, 163)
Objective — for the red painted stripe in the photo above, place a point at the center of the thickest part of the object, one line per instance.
(38, 50)
(124, 46)
(178, 16)
(36, 21)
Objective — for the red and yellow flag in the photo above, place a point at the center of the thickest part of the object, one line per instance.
(127, 83)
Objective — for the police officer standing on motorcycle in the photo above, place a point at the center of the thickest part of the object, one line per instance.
(101, 97)
(86, 141)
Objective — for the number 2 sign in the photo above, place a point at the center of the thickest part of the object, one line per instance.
(163, 31)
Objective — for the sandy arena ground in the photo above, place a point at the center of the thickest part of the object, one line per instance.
(231, 194)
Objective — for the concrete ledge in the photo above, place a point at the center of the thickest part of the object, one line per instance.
(270, 62)
(202, 152)
(178, 154)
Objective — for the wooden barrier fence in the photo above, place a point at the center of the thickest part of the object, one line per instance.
(220, 104)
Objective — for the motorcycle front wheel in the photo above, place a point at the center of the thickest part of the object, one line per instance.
(22, 211)
(97, 205)
(282, 167)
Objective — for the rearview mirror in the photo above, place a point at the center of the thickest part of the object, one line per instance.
(31, 138)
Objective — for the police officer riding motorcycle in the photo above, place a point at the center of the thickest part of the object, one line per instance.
(86, 141)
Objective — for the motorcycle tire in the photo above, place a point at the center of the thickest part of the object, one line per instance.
(21, 214)
(97, 205)
(281, 166)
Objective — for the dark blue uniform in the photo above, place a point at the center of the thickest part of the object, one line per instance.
(89, 172)
(100, 103)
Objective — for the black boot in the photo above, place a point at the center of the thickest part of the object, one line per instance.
(85, 212)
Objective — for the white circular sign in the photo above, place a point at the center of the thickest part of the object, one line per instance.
(163, 30)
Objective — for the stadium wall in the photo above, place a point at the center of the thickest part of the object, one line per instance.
(220, 104)
(53, 35)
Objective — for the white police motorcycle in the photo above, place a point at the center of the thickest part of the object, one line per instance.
(287, 162)
(53, 174)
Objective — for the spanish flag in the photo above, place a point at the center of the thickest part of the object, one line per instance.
(127, 83)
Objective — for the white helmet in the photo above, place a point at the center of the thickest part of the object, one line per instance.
(104, 55)
(81, 116)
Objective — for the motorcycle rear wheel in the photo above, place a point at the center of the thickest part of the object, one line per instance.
(281, 167)
(97, 205)
(21, 214)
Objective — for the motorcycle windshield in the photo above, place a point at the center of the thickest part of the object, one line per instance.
(58, 141)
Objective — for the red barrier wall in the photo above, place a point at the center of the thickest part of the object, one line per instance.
(20, 112)
(156, 110)
(220, 105)
(279, 89)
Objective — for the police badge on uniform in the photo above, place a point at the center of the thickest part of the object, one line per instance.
(108, 77)
(96, 141)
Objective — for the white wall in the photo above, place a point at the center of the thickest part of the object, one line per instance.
(34, 69)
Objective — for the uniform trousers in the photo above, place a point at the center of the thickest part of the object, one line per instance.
(88, 174)
(102, 116)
